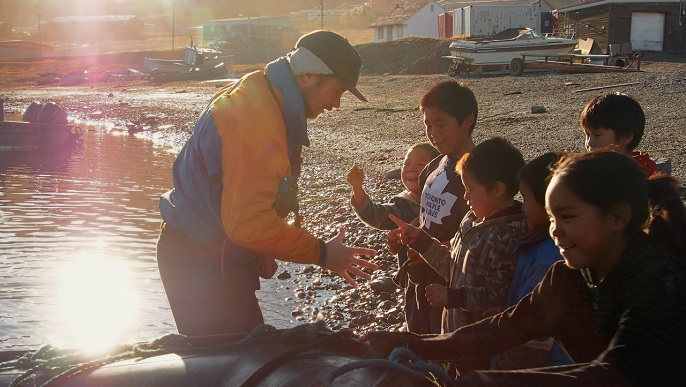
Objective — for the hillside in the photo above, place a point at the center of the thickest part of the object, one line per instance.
(411, 55)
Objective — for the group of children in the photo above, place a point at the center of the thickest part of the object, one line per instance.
(584, 277)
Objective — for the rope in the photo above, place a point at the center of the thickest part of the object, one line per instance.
(296, 335)
(403, 361)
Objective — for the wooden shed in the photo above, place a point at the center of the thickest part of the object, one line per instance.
(658, 25)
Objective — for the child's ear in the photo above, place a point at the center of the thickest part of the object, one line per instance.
(469, 120)
(625, 140)
(499, 189)
(620, 215)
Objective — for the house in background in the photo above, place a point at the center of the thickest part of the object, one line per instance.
(16, 49)
(309, 18)
(481, 19)
(408, 19)
(93, 28)
(251, 31)
(654, 25)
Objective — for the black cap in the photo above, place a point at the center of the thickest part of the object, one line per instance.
(338, 55)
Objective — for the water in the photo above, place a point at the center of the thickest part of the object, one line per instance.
(77, 245)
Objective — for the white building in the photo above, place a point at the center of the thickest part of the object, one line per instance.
(488, 20)
(408, 19)
(251, 31)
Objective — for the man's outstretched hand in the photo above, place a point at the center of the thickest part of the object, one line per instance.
(342, 259)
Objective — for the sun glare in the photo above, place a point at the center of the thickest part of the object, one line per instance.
(98, 303)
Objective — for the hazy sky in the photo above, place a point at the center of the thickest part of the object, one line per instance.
(26, 11)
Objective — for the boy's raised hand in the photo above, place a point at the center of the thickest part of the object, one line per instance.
(406, 233)
(355, 176)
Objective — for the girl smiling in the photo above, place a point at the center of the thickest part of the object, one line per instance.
(617, 302)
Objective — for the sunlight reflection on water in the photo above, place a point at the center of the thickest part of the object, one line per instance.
(96, 295)
(77, 244)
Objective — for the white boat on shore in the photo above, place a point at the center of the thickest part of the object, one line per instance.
(194, 59)
(499, 50)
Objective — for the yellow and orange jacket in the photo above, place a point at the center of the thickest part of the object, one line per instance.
(227, 175)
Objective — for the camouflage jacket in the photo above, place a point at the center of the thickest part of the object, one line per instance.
(481, 259)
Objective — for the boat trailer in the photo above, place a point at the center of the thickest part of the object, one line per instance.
(578, 63)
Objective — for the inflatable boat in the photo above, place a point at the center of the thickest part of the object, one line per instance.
(307, 355)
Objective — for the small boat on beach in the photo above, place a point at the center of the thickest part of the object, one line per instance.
(217, 71)
(197, 63)
(124, 75)
(42, 126)
(499, 50)
(23, 135)
(47, 78)
(75, 77)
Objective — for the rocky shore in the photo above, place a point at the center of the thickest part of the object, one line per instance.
(375, 136)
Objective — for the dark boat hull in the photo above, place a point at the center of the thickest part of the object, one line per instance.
(20, 135)
(282, 360)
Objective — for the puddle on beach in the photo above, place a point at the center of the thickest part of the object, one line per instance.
(77, 244)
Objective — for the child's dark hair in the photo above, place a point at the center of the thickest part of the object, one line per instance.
(493, 160)
(426, 147)
(536, 174)
(453, 98)
(618, 112)
(668, 215)
(606, 178)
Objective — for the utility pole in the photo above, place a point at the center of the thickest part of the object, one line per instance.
(173, 27)
(321, 13)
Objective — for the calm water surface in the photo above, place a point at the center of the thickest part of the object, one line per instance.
(77, 245)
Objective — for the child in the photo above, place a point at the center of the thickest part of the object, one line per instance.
(537, 253)
(616, 121)
(617, 303)
(405, 205)
(480, 261)
(450, 111)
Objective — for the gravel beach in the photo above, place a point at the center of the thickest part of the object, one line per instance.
(375, 136)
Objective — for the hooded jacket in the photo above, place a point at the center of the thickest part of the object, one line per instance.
(481, 261)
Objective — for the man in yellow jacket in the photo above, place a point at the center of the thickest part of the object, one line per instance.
(235, 181)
